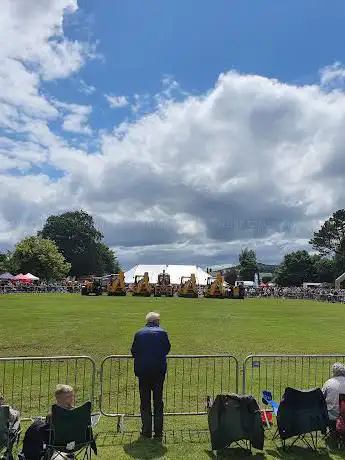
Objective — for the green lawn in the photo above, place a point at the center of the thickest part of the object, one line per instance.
(44, 325)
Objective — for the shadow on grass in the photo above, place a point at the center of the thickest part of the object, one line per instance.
(145, 449)
(108, 439)
(234, 453)
(297, 452)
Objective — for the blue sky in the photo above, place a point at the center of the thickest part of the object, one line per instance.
(122, 111)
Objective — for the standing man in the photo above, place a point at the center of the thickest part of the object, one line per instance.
(150, 349)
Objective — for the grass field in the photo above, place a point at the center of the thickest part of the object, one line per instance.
(43, 325)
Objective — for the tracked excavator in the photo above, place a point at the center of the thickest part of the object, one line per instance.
(163, 286)
(116, 285)
(142, 285)
(188, 287)
(215, 288)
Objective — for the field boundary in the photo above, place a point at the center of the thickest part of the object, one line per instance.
(192, 381)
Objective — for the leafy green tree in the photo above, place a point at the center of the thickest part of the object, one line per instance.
(106, 260)
(296, 268)
(324, 269)
(40, 257)
(80, 242)
(230, 276)
(330, 238)
(247, 264)
(3, 262)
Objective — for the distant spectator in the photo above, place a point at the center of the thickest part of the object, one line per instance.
(332, 389)
(150, 348)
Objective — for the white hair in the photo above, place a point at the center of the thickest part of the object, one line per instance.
(152, 317)
(338, 370)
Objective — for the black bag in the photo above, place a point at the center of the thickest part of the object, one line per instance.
(35, 440)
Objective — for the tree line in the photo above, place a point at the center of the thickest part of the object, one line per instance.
(323, 265)
(68, 244)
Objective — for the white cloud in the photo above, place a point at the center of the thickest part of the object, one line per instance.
(251, 162)
(85, 88)
(76, 120)
(117, 102)
(333, 76)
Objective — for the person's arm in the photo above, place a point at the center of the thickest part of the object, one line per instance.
(167, 344)
(134, 346)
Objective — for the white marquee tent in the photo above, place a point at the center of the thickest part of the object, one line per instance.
(175, 272)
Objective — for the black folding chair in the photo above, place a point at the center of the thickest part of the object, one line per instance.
(301, 416)
(9, 436)
(71, 433)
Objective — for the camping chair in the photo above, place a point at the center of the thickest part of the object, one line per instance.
(301, 415)
(71, 433)
(8, 436)
(234, 419)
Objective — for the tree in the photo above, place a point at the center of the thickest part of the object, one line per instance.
(247, 264)
(324, 269)
(80, 242)
(296, 268)
(41, 257)
(3, 262)
(106, 260)
(230, 276)
(330, 239)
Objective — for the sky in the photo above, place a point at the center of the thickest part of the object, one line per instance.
(189, 130)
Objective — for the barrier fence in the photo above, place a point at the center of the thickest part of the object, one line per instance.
(191, 381)
(276, 372)
(29, 383)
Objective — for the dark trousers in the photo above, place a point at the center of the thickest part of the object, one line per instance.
(151, 386)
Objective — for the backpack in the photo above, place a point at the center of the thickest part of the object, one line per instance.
(35, 439)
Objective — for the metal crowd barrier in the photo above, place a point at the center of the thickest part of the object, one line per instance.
(276, 372)
(192, 381)
(29, 383)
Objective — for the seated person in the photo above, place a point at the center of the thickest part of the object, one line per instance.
(37, 435)
(14, 426)
(334, 387)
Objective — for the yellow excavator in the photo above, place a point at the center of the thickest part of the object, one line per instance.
(163, 286)
(92, 286)
(142, 285)
(116, 285)
(238, 291)
(215, 288)
(188, 287)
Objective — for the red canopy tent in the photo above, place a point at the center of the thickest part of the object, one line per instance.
(22, 278)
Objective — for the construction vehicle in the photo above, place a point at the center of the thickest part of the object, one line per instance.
(163, 286)
(92, 286)
(188, 287)
(142, 285)
(116, 285)
(215, 288)
(238, 291)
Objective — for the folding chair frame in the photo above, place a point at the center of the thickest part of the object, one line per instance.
(53, 451)
(313, 445)
(12, 439)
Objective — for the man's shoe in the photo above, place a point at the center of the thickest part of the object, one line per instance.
(158, 438)
(145, 436)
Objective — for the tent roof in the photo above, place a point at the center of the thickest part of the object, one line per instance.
(6, 276)
(175, 272)
(31, 277)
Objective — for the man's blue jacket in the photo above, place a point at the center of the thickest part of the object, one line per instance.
(150, 348)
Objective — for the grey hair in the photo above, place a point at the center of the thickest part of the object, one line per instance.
(338, 370)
